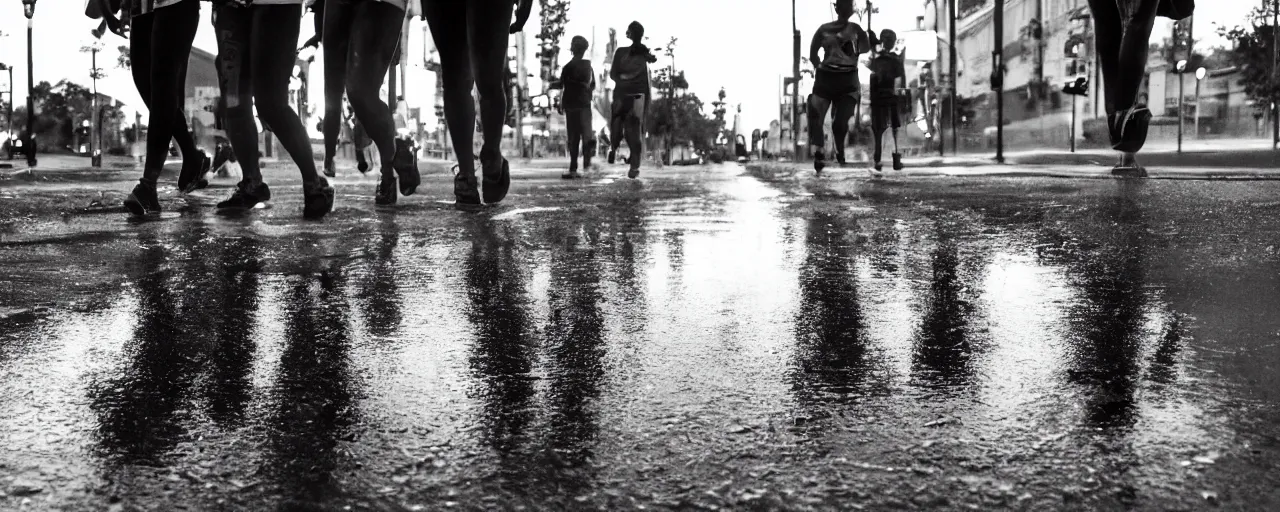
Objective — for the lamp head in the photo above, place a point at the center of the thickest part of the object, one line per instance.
(1182, 66)
(29, 8)
(1200, 73)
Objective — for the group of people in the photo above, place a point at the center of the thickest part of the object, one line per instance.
(256, 54)
(1122, 29)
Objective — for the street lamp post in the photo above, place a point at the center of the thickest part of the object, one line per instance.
(955, 136)
(1200, 72)
(795, 84)
(997, 78)
(95, 139)
(1182, 65)
(29, 9)
(8, 119)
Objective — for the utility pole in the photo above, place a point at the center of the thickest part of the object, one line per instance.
(997, 78)
(955, 86)
(1275, 72)
(795, 83)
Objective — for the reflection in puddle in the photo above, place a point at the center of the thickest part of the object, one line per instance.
(545, 358)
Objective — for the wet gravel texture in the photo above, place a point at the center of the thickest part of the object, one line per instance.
(703, 338)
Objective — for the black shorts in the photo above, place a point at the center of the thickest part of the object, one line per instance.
(883, 116)
(832, 86)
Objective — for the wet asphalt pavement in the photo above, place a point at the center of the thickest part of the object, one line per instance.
(703, 338)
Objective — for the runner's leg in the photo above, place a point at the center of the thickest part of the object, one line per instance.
(447, 21)
(336, 42)
(172, 32)
(375, 32)
(274, 39)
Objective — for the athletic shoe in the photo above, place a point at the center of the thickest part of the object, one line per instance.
(190, 178)
(897, 161)
(496, 183)
(406, 166)
(1129, 171)
(465, 189)
(317, 199)
(819, 161)
(386, 194)
(246, 196)
(142, 200)
(613, 154)
(330, 168)
(878, 166)
(633, 173)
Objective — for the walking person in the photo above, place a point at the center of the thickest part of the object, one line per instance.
(472, 39)
(255, 63)
(160, 36)
(578, 80)
(1122, 30)
(631, 95)
(836, 81)
(359, 39)
(887, 78)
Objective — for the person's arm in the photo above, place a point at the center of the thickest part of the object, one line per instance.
(813, 49)
(592, 72)
(864, 43)
(617, 63)
(901, 81)
(522, 15)
(318, 21)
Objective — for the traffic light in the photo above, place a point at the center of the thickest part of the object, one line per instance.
(1077, 87)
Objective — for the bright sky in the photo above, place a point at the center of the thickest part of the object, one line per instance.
(741, 45)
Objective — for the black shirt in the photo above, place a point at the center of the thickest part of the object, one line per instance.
(886, 69)
(578, 80)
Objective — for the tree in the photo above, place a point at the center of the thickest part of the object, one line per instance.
(1252, 52)
(122, 61)
(554, 14)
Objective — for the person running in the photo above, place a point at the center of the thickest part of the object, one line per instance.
(887, 77)
(578, 81)
(631, 95)
(472, 38)
(359, 39)
(160, 36)
(255, 63)
(1122, 30)
(836, 80)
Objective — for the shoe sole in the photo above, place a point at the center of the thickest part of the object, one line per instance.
(135, 206)
(328, 198)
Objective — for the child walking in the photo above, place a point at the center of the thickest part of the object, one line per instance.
(578, 80)
(887, 75)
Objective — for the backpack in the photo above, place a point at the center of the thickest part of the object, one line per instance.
(1176, 10)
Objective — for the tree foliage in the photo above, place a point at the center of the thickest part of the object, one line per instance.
(554, 15)
(1253, 52)
(59, 109)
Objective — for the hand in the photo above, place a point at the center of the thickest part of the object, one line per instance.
(522, 15)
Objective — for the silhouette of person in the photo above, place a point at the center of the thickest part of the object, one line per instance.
(835, 80)
(631, 96)
(471, 38)
(1122, 30)
(160, 37)
(360, 39)
(255, 64)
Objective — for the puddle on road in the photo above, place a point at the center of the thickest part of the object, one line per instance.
(551, 357)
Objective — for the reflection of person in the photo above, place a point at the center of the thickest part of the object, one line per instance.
(360, 38)
(887, 75)
(1122, 29)
(630, 74)
(578, 81)
(472, 39)
(159, 45)
(255, 62)
(836, 79)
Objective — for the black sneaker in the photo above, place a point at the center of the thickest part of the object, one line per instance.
(386, 194)
(143, 200)
(613, 154)
(897, 161)
(191, 176)
(406, 166)
(633, 173)
(819, 161)
(496, 184)
(466, 190)
(317, 199)
(246, 196)
(330, 168)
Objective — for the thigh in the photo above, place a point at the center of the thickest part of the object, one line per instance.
(587, 129)
(233, 29)
(272, 53)
(140, 53)
(488, 24)
(173, 31)
(336, 42)
(638, 105)
(375, 32)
